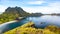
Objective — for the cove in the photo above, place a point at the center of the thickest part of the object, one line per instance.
(40, 22)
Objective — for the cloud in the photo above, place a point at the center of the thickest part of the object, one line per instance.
(2, 8)
(55, 4)
(36, 2)
(45, 6)
(51, 8)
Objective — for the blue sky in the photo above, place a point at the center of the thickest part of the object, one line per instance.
(32, 6)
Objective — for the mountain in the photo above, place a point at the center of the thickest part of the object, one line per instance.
(16, 10)
(20, 12)
(36, 14)
(13, 13)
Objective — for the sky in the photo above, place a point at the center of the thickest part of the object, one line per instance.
(32, 6)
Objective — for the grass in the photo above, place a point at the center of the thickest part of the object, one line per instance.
(28, 28)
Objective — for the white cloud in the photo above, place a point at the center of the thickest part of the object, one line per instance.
(55, 4)
(51, 8)
(2, 8)
(36, 9)
(36, 2)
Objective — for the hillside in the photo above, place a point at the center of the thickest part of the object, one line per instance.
(29, 28)
(11, 13)
(16, 10)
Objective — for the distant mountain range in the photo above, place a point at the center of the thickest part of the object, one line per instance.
(22, 13)
(36, 14)
(57, 14)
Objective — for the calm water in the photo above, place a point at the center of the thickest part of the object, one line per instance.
(40, 22)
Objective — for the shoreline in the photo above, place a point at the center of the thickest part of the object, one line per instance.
(8, 22)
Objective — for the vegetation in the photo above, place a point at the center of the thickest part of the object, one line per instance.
(7, 17)
(11, 13)
(29, 28)
(53, 28)
(16, 10)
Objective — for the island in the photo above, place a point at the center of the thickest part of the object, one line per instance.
(15, 13)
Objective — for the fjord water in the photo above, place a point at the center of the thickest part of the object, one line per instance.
(40, 22)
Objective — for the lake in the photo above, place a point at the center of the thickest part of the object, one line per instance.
(40, 22)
